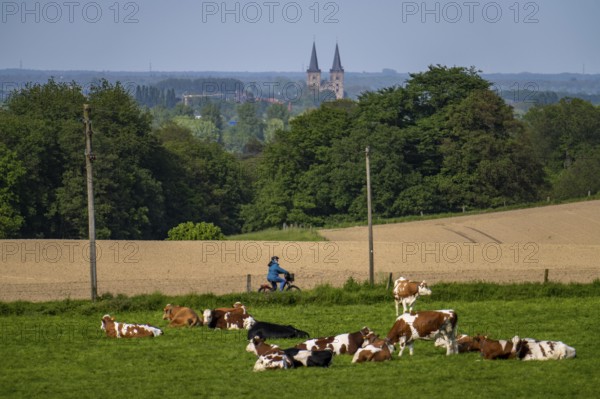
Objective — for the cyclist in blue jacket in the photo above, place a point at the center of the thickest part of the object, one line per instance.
(274, 271)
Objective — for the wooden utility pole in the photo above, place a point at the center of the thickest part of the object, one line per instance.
(369, 218)
(89, 159)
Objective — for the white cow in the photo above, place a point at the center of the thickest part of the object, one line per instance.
(533, 349)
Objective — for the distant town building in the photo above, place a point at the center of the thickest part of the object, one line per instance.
(336, 74)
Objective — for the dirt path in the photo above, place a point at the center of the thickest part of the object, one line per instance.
(500, 247)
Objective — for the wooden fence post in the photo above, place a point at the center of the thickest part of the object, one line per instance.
(545, 276)
(248, 283)
(389, 282)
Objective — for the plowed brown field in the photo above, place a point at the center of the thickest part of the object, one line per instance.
(511, 246)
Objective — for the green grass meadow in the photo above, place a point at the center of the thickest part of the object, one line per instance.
(58, 350)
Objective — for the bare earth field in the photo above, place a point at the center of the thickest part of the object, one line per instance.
(513, 246)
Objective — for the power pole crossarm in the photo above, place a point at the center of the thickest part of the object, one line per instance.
(89, 159)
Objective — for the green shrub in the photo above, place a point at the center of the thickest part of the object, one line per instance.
(198, 231)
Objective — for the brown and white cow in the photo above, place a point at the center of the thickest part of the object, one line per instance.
(492, 349)
(407, 292)
(427, 325)
(213, 317)
(464, 343)
(116, 329)
(269, 356)
(375, 350)
(338, 344)
(237, 321)
(237, 307)
(532, 349)
(180, 316)
(234, 320)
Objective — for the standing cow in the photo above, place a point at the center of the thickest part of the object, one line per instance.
(427, 325)
(407, 292)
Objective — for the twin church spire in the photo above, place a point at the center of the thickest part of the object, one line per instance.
(336, 74)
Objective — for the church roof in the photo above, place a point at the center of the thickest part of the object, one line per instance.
(314, 63)
(337, 63)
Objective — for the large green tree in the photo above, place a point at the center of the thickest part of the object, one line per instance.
(211, 111)
(486, 161)
(284, 193)
(565, 138)
(39, 125)
(11, 173)
(441, 141)
(144, 183)
(200, 181)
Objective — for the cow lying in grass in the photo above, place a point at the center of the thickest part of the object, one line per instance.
(308, 358)
(338, 344)
(234, 318)
(464, 343)
(236, 321)
(532, 349)
(181, 316)
(492, 349)
(237, 307)
(269, 356)
(525, 349)
(272, 357)
(266, 330)
(116, 329)
(375, 350)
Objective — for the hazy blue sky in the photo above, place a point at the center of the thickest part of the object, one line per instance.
(547, 36)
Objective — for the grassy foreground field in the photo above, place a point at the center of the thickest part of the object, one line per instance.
(57, 349)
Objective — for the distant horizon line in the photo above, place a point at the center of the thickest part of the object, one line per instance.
(384, 71)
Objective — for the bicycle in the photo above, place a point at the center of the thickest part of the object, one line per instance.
(288, 286)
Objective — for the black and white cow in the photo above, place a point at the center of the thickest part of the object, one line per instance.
(266, 330)
(308, 358)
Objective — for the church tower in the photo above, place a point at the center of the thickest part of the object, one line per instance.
(313, 78)
(336, 75)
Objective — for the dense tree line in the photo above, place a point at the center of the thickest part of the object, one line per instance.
(443, 141)
(566, 140)
(210, 86)
(146, 181)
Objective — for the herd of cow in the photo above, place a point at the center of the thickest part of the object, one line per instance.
(364, 345)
